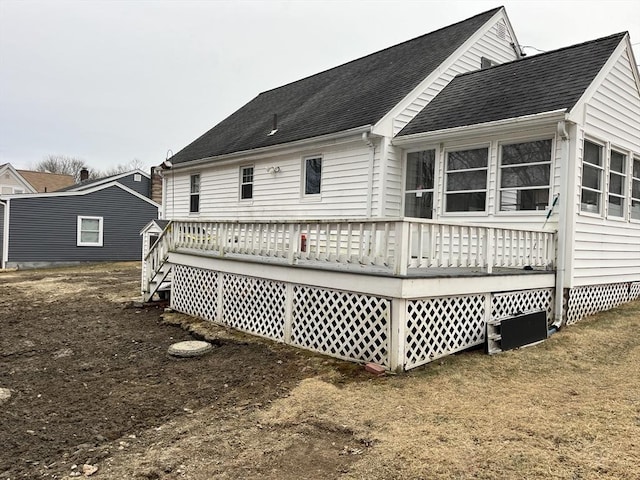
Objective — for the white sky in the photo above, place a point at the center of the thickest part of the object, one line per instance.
(110, 81)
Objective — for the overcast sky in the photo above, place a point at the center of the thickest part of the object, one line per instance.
(112, 81)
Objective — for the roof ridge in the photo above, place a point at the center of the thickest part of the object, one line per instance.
(549, 52)
(493, 11)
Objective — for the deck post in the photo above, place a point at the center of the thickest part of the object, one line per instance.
(401, 250)
(397, 334)
(491, 232)
(288, 312)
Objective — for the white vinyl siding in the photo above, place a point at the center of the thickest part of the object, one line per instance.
(608, 249)
(89, 232)
(278, 196)
(492, 45)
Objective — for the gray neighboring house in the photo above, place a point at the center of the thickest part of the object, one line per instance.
(92, 221)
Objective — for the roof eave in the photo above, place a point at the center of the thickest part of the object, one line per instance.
(532, 120)
(265, 151)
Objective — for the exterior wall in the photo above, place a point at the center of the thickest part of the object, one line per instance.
(607, 250)
(344, 188)
(495, 45)
(143, 187)
(2, 208)
(9, 183)
(492, 215)
(44, 229)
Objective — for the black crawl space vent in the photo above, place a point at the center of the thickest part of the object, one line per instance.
(516, 331)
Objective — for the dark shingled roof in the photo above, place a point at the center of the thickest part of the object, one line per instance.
(542, 83)
(352, 95)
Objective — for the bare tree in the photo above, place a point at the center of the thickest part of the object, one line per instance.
(65, 165)
(134, 164)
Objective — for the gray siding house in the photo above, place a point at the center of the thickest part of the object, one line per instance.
(90, 222)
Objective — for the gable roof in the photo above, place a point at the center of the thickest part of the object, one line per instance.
(7, 167)
(356, 94)
(99, 181)
(547, 82)
(46, 182)
(85, 191)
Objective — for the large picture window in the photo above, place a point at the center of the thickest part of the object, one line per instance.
(466, 180)
(246, 182)
(525, 174)
(419, 183)
(635, 190)
(312, 175)
(89, 232)
(194, 198)
(592, 171)
(617, 181)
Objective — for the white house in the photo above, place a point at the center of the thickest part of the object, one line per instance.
(439, 194)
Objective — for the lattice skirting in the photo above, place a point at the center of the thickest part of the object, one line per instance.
(509, 304)
(585, 301)
(333, 322)
(441, 326)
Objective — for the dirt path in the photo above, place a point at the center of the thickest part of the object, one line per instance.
(85, 379)
(90, 380)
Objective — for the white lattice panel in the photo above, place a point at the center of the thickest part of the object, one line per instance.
(341, 324)
(634, 291)
(254, 305)
(505, 305)
(584, 301)
(194, 291)
(441, 326)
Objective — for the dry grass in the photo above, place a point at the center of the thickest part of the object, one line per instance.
(568, 408)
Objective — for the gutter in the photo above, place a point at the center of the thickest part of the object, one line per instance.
(265, 151)
(563, 135)
(5, 235)
(481, 128)
(366, 138)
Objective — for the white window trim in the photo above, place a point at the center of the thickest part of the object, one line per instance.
(79, 241)
(199, 193)
(303, 179)
(241, 183)
(445, 172)
(499, 188)
(623, 174)
(633, 158)
(603, 178)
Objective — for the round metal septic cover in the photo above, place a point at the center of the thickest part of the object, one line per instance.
(190, 348)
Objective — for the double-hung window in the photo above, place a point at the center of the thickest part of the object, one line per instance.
(89, 232)
(418, 200)
(617, 181)
(194, 198)
(635, 190)
(246, 182)
(312, 175)
(525, 172)
(592, 172)
(466, 180)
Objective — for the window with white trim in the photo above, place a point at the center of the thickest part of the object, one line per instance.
(419, 182)
(635, 190)
(525, 175)
(466, 180)
(592, 172)
(246, 182)
(312, 175)
(194, 193)
(617, 182)
(89, 232)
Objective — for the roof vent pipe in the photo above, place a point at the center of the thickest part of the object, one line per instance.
(275, 124)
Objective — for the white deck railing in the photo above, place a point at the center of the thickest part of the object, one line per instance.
(396, 245)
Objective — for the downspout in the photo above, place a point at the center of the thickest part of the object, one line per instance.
(366, 138)
(563, 135)
(5, 235)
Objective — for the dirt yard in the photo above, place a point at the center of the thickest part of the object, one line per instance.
(85, 382)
